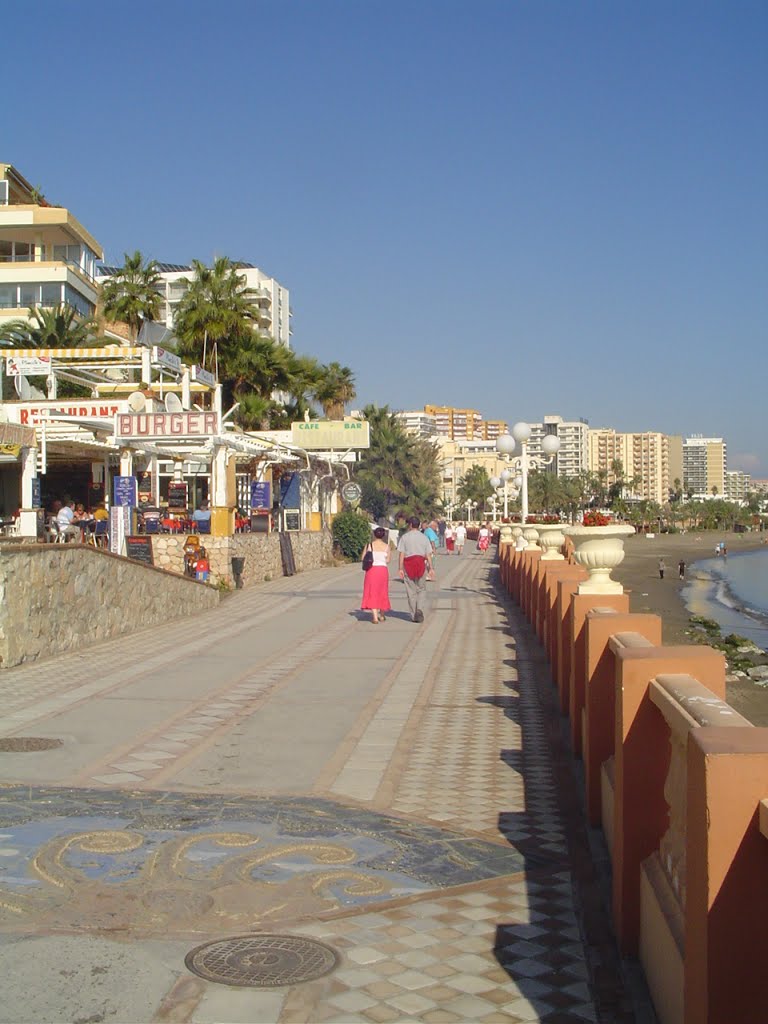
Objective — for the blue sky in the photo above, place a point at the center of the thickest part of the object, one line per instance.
(521, 207)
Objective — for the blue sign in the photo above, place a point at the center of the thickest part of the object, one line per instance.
(289, 491)
(37, 497)
(261, 495)
(125, 490)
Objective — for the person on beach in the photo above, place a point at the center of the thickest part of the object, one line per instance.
(662, 568)
(416, 567)
(376, 582)
(681, 569)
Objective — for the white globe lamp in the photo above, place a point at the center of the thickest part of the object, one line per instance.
(521, 432)
(495, 482)
(505, 444)
(550, 444)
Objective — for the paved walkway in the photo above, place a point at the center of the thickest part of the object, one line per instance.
(399, 792)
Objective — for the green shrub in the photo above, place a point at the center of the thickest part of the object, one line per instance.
(351, 532)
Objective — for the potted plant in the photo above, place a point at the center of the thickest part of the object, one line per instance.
(599, 547)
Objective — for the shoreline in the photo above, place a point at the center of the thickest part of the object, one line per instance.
(647, 593)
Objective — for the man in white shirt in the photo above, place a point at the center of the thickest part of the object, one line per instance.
(64, 518)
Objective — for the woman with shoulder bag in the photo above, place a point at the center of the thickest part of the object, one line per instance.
(376, 585)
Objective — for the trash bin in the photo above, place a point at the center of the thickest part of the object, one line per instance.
(238, 564)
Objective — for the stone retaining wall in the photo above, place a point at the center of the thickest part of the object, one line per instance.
(261, 551)
(56, 597)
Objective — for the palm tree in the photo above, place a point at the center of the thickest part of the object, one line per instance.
(217, 312)
(132, 296)
(335, 388)
(60, 327)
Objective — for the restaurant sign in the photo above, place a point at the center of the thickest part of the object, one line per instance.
(39, 366)
(203, 376)
(325, 435)
(158, 425)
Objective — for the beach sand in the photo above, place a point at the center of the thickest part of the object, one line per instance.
(639, 573)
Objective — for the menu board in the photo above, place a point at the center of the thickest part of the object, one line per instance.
(177, 495)
(261, 494)
(140, 549)
(125, 490)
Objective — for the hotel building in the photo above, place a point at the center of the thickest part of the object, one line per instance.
(47, 258)
(270, 298)
(464, 424)
(651, 459)
(704, 466)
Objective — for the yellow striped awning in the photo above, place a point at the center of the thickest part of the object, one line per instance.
(110, 352)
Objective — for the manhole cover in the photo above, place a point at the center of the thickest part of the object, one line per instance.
(262, 961)
(23, 744)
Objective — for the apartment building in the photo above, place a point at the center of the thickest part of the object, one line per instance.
(652, 460)
(573, 455)
(270, 298)
(466, 424)
(457, 457)
(47, 258)
(738, 485)
(418, 422)
(705, 462)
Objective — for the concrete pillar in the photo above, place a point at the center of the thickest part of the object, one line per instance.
(581, 605)
(600, 692)
(640, 812)
(726, 917)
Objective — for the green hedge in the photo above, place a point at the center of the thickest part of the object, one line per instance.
(351, 532)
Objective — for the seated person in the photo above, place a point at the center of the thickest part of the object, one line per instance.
(65, 521)
(202, 518)
(80, 515)
(101, 514)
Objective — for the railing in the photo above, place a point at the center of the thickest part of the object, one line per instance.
(679, 782)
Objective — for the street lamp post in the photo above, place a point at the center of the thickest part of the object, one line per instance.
(506, 444)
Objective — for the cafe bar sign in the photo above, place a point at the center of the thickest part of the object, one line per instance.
(165, 425)
(326, 435)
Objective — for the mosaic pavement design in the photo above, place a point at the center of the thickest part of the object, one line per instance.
(153, 863)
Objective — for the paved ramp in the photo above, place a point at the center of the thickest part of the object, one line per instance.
(282, 765)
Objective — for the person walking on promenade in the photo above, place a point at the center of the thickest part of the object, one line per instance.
(441, 532)
(430, 532)
(376, 582)
(483, 538)
(681, 569)
(662, 568)
(460, 537)
(416, 567)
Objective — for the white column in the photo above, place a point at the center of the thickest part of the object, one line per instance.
(186, 393)
(126, 462)
(146, 367)
(219, 477)
(27, 514)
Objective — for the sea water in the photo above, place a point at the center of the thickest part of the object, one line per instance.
(732, 590)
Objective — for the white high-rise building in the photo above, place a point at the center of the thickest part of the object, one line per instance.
(573, 456)
(270, 298)
(418, 422)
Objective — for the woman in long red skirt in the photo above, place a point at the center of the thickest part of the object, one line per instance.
(376, 585)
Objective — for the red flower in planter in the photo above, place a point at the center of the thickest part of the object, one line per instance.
(595, 519)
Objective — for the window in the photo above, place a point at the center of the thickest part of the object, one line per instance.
(50, 295)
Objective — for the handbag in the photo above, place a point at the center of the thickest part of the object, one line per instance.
(367, 560)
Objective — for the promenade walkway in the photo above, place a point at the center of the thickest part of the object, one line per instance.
(399, 793)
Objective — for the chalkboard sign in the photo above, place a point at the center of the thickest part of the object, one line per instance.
(139, 549)
(177, 495)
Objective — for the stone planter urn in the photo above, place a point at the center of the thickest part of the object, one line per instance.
(531, 535)
(599, 549)
(505, 534)
(551, 539)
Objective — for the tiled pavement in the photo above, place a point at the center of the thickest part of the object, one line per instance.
(448, 725)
